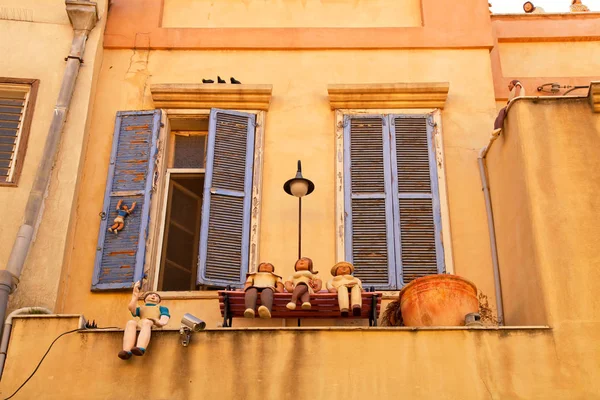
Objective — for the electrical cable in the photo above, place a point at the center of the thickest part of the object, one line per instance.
(47, 351)
(574, 88)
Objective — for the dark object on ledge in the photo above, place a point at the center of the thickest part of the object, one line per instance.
(91, 325)
(234, 81)
(220, 80)
(207, 81)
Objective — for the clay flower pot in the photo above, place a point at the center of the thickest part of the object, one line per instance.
(438, 300)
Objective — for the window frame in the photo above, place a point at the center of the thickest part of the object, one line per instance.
(340, 195)
(157, 213)
(162, 224)
(24, 128)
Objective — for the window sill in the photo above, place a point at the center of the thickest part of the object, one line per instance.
(355, 328)
(191, 295)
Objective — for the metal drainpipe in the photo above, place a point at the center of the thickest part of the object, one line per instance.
(491, 227)
(8, 327)
(83, 15)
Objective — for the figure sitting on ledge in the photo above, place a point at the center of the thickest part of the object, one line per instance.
(302, 283)
(265, 282)
(150, 314)
(122, 213)
(529, 8)
(342, 282)
(516, 90)
(577, 6)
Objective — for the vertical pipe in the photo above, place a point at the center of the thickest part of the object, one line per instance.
(83, 17)
(491, 228)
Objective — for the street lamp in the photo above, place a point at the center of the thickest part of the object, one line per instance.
(299, 187)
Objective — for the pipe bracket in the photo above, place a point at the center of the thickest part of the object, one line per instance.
(75, 57)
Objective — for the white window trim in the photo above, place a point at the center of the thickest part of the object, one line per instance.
(158, 208)
(340, 213)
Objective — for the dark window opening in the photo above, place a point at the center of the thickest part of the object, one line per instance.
(179, 260)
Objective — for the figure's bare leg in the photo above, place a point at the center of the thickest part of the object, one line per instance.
(343, 300)
(305, 299)
(143, 338)
(113, 227)
(356, 298)
(128, 339)
(299, 290)
(266, 298)
(250, 302)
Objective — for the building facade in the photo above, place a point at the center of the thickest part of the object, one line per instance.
(388, 104)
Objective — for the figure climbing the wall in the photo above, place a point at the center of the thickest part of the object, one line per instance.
(122, 212)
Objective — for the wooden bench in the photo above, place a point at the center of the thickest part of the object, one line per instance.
(324, 305)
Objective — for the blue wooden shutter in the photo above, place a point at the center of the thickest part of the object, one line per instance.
(225, 231)
(120, 258)
(417, 219)
(369, 241)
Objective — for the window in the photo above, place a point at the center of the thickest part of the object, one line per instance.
(183, 209)
(392, 211)
(192, 183)
(17, 100)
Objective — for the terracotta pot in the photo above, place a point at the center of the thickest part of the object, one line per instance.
(438, 300)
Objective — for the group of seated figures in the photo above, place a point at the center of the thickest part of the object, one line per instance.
(529, 8)
(301, 285)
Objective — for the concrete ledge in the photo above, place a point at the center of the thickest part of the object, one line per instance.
(388, 95)
(595, 96)
(351, 328)
(206, 96)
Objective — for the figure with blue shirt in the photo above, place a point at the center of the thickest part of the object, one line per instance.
(122, 212)
(150, 314)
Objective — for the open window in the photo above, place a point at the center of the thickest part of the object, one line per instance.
(180, 230)
(195, 180)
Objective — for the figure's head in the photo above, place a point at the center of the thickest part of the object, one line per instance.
(342, 268)
(576, 2)
(124, 207)
(305, 264)
(266, 267)
(513, 83)
(528, 7)
(152, 298)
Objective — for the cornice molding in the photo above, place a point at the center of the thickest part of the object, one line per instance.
(595, 96)
(389, 95)
(204, 96)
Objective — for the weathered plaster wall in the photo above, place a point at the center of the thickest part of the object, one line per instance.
(299, 125)
(290, 13)
(545, 182)
(550, 59)
(35, 48)
(308, 364)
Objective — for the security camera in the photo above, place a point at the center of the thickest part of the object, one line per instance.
(190, 324)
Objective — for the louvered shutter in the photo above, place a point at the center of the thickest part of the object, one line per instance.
(11, 112)
(120, 257)
(225, 231)
(368, 238)
(416, 206)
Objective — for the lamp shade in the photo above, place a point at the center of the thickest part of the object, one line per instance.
(299, 186)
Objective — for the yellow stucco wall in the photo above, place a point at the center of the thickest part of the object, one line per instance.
(290, 13)
(538, 59)
(299, 125)
(309, 364)
(35, 48)
(544, 182)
